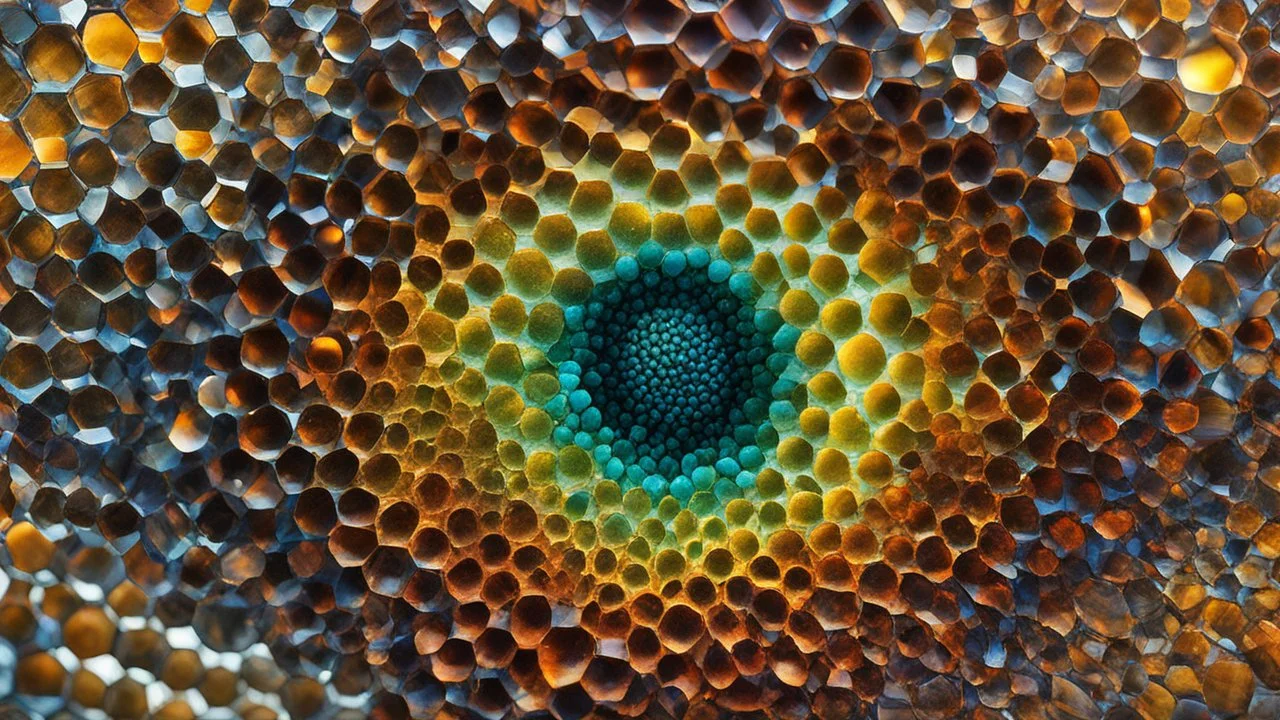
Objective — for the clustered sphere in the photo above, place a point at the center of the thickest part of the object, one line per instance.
(779, 359)
(669, 375)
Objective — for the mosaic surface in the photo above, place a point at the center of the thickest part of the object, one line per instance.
(639, 358)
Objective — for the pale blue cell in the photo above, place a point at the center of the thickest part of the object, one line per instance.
(591, 419)
(719, 271)
(657, 487)
(579, 400)
(557, 406)
(584, 440)
(750, 457)
(674, 263)
(573, 317)
(605, 435)
(569, 382)
(745, 480)
(614, 468)
(786, 338)
(681, 488)
(768, 321)
(742, 285)
(572, 421)
(783, 414)
(688, 463)
(728, 467)
(627, 268)
(601, 454)
(635, 473)
(698, 258)
(562, 435)
(650, 255)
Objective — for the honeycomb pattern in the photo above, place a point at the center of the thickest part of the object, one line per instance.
(639, 358)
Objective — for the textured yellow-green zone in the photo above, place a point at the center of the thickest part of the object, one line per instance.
(651, 358)
(854, 396)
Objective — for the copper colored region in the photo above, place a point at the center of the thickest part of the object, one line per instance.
(283, 286)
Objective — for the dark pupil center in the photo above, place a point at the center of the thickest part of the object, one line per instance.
(674, 363)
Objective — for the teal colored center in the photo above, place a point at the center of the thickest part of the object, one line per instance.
(675, 368)
(667, 374)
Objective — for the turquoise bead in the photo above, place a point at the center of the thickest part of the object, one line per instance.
(688, 463)
(727, 467)
(614, 468)
(627, 268)
(650, 255)
(682, 489)
(562, 436)
(655, 486)
(719, 271)
(557, 406)
(573, 317)
(674, 263)
(579, 400)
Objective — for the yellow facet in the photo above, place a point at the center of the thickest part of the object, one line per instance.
(109, 41)
(14, 153)
(193, 143)
(1210, 69)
